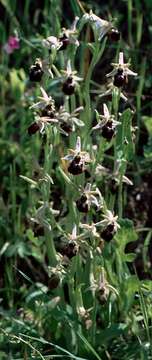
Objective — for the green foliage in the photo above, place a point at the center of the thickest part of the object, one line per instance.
(93, 305)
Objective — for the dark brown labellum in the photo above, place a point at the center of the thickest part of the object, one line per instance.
(53, 281)
(68, 86)
(48, 111)
(35, 73)
(77, 159)
(65, 42)
(111, 227)
(114, 35)
(71, 249)
(76, 166)
(120, 71)
(113, 185)
(108, 131)
(119, 79)
(82, 204)
(66, 127)
(38, 230)
(102, 296)
(33, 128)
(108, 233)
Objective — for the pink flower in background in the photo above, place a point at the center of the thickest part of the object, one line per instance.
(12, 44)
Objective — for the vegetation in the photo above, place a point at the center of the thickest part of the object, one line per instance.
(76, 158)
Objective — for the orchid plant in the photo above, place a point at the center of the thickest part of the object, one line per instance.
(89, 222)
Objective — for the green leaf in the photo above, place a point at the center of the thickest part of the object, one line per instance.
(53, 303)
(65, 177)
(124, 135)
(129, 257)
(4, 248)
(43, 341)
(23, 250)
(34, 296)
(30, 235)
(148, 149)
(148, 123)
(125, 234)
(17, 83)
(18, 248)
(30, 181)
(6, 4)
(3, 355)
(89, 346)
(128, 289)
(114, 331)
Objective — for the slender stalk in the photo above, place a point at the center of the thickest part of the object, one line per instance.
(51, 252)
(120, 202)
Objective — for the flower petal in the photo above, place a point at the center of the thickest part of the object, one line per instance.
(106, 111)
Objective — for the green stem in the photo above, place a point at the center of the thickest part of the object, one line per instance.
(130, 22)
(139, 98)
(87, 113)
(51, 251)
(120, 202)
(93, 333)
